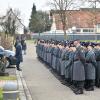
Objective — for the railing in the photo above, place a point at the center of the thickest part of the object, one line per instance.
(70, 36)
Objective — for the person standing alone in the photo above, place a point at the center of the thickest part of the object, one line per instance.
(18, 55)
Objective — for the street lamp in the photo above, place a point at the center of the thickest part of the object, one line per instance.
(73, 31)
(54, 30)
(55, 34)
(70, 31)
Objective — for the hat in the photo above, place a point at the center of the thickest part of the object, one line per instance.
(97, 44)
(91, 44)
(86, 44)
(82, 43)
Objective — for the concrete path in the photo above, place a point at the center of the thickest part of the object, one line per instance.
(42, 83)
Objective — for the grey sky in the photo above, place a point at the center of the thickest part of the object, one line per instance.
(24, 6)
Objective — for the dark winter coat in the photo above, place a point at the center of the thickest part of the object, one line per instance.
(18, 54)
(78, 71)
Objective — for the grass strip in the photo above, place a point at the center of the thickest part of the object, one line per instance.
(8, 78)
(1, 94)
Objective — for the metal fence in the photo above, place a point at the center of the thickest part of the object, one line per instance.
(60, 36)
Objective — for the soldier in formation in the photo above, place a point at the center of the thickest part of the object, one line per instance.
(78, 63)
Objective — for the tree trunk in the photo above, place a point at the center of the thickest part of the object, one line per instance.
(65, 34)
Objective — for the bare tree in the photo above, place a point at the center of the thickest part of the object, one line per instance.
(11, 22)
(93, 12)
(63, 7)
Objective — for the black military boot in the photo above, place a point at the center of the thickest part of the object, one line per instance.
(74, 88)
(79, 91)
(97, 83)
(64, 81)
(86, 85)
(90, 89)
(80, 85)
(91, 86)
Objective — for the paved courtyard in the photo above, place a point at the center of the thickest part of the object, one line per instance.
(43, 85)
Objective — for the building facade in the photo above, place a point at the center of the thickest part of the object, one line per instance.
(86, 20)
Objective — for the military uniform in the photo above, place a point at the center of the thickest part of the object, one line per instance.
(62, 67)
(47, 52)
(90, 69)
(54, 58)
(78, 71)
(50, 55)
(77, 67)
(68, 63)
(97, 55)
(57, 58)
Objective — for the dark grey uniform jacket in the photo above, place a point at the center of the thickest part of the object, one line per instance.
(62, 67)
(91, 66)
(97, 55)
(67, 64)
(58, 59)
(54, 58)
(78, 71)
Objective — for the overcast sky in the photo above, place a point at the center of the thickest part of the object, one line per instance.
(24, 6)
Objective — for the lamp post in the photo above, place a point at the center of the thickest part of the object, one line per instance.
(55, 34)
(73, 31)
(70, 31)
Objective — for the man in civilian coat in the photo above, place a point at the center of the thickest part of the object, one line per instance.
(18, 55)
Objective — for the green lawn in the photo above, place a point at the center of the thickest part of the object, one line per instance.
(1, 96)
(91, 40)
(8, 78)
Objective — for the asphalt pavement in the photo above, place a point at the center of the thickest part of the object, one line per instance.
(43, 85)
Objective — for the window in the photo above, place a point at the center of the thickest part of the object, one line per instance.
(91, 30)
(98, 25)
(78, 30)
(85, 30)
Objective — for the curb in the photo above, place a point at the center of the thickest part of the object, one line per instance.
(23, 89)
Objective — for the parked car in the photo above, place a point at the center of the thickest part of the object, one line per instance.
(9, 55)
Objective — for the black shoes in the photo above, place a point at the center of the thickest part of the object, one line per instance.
(78, 91)
(19, 69)
(73, 88)
(90, 89)
(98, 85)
